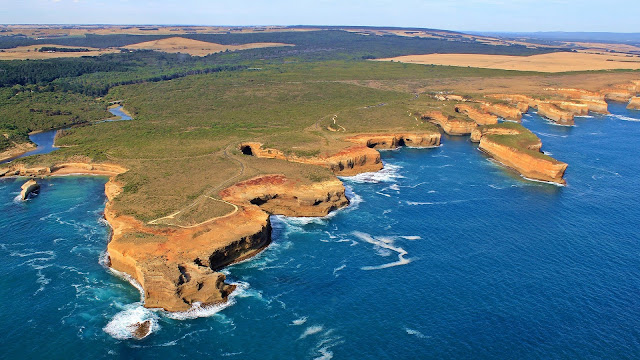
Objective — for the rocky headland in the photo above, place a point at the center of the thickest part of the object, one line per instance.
(518, 148)
(634, 103)
(450, 125)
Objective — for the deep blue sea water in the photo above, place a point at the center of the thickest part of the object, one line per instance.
(444, 254)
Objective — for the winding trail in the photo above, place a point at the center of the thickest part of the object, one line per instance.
(206, 196)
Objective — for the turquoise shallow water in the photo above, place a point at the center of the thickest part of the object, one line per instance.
(443, 254)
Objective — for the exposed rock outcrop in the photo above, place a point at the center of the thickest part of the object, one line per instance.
(575, 108)
(519, 149)
(480, 117)
(28, 188)
(504, 111)
(618, 94)
(552, 112)
(140, 330)
(450, 125)
(578, 94)
(63, 169)
(449, 97)
(175, 276)
(392, 141)
(276, 194)
(634, 103)
(597, 106)
(350, 161)
(516, 99)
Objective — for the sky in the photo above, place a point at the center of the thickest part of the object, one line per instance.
(460, 15)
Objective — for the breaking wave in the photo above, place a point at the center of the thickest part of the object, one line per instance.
(389, 173)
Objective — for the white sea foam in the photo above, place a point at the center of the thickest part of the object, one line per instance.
(383, 246)
(311, 330)
(121, 325)
(551, 135)
(389, 173)
(199, 310)
(300, 321)
(411, 237)
(415, 333)
(395, 187)
(296, 224)
(327, 341)
(383, 194)
(341, 267)
(624, 118)
(39, 262)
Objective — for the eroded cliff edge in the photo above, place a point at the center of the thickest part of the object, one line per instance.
(177, 265)
(518, 148)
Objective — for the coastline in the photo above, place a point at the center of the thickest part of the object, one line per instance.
(176, 278)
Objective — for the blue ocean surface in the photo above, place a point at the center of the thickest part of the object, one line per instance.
(443, 254)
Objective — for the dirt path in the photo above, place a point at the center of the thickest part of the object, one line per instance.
(207, 195)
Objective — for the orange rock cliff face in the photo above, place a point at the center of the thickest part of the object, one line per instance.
(351, 161)
(175, 277)
(504, 111)
(176, 266)
(552, 112)
(618, 94)
(392, 141)
(480, 117)
(450, 125)
(526, 160)
(634, 103)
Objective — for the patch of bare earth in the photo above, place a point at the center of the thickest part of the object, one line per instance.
(31, 52)
(553, 62)
(195, 47)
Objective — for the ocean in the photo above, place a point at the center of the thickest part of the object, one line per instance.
(443, 254)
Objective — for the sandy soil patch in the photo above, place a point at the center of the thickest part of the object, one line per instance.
(554, 62)
(32, 53)
(195, 47)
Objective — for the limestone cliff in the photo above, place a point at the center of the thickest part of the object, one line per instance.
(519, 149)
(577, 109)
(597, 106)
(634, 103)
(350, 161)
(176, 266)
(522, 101)
(450, 125)
(503, 111)
(394, 140)
(552, 112)
(618, 94)
(480, 117)
(276, 194)
(28, 188)
(578, 94)
(64, 169)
